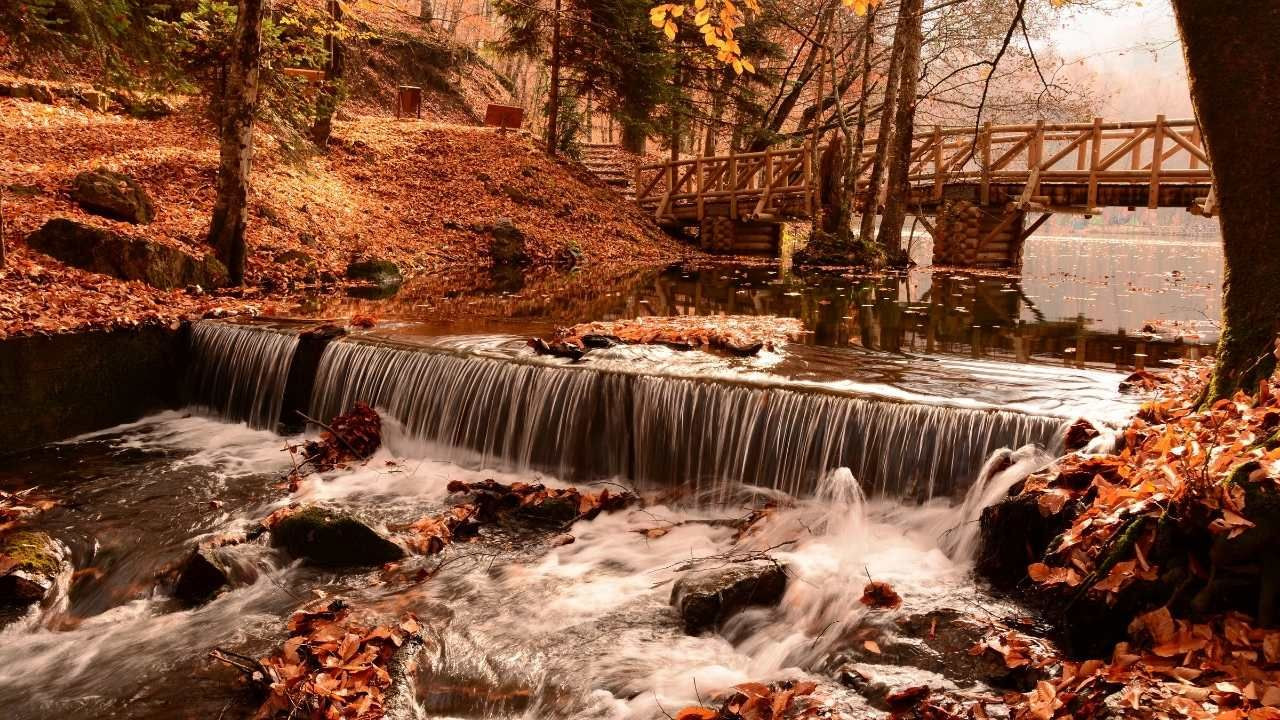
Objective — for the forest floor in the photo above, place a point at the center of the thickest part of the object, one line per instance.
(422, 194)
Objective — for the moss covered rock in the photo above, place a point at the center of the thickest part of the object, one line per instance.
(331, 538)
(128, 258)
(114, 195)
(382, 273)
(29, 566)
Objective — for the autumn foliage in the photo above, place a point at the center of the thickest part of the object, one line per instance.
(1167, 517)
(332, 666)
(740, 334)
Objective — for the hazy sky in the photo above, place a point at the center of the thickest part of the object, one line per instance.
(1132, 49)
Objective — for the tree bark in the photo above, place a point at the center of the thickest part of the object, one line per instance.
(1233, 61)
(553, 97)
(230, 209)
(327, 103)
(633, 136)
(911, 23)
(892, 75)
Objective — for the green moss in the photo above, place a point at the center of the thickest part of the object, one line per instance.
(331, 538)
(34, 552)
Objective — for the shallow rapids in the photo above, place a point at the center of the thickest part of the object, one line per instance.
(583, 630)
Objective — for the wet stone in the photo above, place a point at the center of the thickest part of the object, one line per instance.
(706, 598)
(331, 538)
(209, 569)
(29, 566)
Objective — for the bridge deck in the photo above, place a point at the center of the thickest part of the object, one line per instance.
(1074, 167)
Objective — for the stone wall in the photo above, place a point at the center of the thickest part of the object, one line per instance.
(56, 387)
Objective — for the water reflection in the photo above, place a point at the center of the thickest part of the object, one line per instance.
(1099, 302)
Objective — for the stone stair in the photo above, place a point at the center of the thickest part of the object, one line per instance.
(613, 165)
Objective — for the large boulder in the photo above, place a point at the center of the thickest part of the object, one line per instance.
(706, 598)
(331, 538)
(30, 563)
(507, 246)
(128, 258)
(114, 195)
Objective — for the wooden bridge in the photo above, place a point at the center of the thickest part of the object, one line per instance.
(972, 191)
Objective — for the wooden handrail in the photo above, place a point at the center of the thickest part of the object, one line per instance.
(773, 182)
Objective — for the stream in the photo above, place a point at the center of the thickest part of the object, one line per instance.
(879, 464)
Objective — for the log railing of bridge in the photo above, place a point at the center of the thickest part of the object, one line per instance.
(787, 182)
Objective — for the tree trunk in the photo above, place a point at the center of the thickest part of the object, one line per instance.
(1233, 61)
(633, 136)
(230, 209)
(910, 22)
(327, 103)
(553, 97)
(853, 164)
(892, 75)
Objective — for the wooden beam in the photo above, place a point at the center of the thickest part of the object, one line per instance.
(1044, 217)
(1157, 161)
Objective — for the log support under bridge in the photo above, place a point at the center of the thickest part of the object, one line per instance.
(974, 236)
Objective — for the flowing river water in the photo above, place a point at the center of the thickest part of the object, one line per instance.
(880, 464)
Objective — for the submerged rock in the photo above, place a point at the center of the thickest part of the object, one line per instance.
(334, 539)
(706, 598)
(114, 195)
(29, 566)
(128, 258)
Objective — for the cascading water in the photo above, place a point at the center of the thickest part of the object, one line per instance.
(579, 630)
(582, 423)
(239, 372)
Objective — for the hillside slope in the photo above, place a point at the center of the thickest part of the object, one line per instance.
(421, 194)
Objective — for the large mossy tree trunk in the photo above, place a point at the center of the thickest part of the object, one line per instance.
(911, 27)
(231, 208)
(1233, 60)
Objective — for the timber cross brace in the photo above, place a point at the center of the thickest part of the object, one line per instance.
(978, 187)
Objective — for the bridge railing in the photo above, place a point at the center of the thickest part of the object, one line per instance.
(766, 184)
(1153, 153)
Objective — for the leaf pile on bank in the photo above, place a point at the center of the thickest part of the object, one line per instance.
(738, 334)
(1173, 531)
(332, 666)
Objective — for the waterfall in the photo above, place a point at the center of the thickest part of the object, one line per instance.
(582, 423)
(239, 372)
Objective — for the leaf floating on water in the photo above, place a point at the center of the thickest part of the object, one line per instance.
(881, 595)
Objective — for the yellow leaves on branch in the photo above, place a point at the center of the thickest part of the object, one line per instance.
(717, 20)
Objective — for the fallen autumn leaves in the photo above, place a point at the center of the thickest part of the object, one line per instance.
(1170, 526)
(332, 666)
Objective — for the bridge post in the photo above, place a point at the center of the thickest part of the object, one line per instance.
(985, 192)
(1157, 161)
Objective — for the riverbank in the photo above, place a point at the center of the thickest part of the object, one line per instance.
(425, 196)
(1150, 559)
